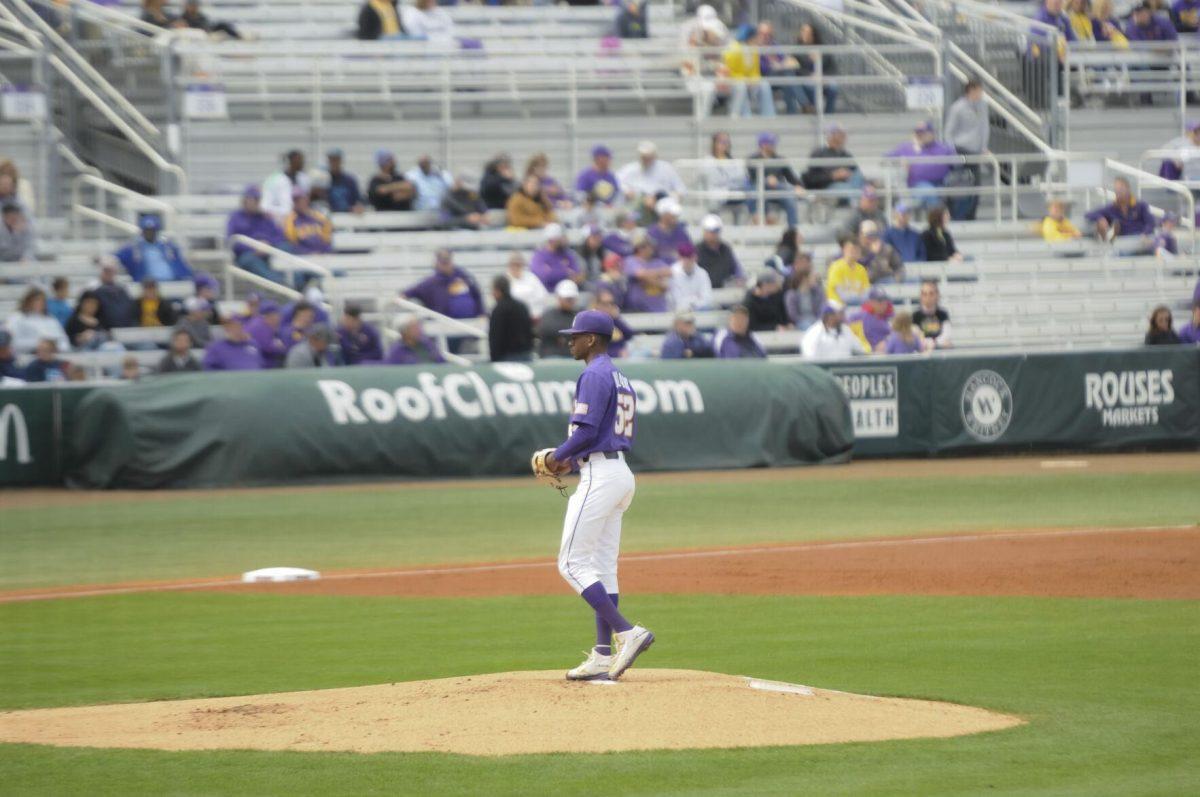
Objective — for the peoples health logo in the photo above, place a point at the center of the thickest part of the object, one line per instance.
(987, 406)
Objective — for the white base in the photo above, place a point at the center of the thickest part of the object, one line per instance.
(279, 574)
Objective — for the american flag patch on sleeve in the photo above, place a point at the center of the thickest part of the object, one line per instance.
(580, 408)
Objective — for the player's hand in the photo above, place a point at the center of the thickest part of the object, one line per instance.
(555, 466)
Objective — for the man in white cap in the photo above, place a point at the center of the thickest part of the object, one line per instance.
(554, 261)
(526, 288)
(668, 233)
(716, 257)
(647, 179)
(559, 317)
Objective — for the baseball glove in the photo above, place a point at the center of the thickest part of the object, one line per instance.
(543, 473)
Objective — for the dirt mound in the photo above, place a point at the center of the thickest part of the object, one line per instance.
(509, 714)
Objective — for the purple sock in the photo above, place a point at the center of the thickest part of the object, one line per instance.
(604, 630)
(598, 599)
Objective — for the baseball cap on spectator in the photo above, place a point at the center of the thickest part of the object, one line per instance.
(924, 127)
(686, 249)
(268, 306)
(336, 152)
(150, 221)
(767, 138)
(647, 148)
(877, 294)
(667, 205)
(767, 277)
(252, 192)
(833, 127)
(590, 322)
(566, 290)
(552, 232)
(711, 223)
(594, 229)
(744, 32)
(830, 308)
(196, 304)
(902, 207)
(601, 150)
(314, 295)
(203, 280)
(869, 228)
(382, 156)
(320, 332)
(1169, 216)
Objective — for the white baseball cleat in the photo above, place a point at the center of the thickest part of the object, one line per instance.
(630, 644)
(594, 668)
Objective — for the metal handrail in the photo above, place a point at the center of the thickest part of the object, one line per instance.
(1161, 182)
(106, 187)
(292, 262)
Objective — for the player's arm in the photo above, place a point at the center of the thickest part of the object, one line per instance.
(590, 402)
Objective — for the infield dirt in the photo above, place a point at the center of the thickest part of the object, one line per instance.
(509, 714)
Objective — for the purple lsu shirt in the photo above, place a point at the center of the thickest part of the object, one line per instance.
(603, 416)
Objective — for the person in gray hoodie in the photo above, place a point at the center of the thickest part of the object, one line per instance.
(968, 130)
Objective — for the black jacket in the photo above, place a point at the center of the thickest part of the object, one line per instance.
(495, 188)
(168, 312)
(370, 27)
(167, 365)
(938, 247)
(819, 177)
(766, 312)
(720, 263)
(510, 331)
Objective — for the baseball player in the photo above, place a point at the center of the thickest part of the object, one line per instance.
(599, 436)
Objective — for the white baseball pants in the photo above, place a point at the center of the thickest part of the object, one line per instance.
(591, 537)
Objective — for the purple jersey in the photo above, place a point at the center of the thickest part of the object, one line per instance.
(603, 416)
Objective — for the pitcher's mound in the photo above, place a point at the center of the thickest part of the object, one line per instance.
(507, 714)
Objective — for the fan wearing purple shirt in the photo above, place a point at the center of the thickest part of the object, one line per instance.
(598, 180)
(649, 278)
(1146, 26)
(925, 177)
(1125, 215)
(599, 437)
(236, 352)
(668, 233)
(555, 261)
(450, 290)
(264, 330)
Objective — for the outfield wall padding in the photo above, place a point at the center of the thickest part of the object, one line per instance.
(36, 422)
(258, 428)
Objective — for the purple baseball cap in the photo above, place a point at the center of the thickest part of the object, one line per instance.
(599, 150)
(590, 322)
(150, 221)
(686, 249)
(903, 207)
(252, 192)
(203, 280)
(382, 156)
(1192, 126)
(924, 127)
(767, 138)
(830, 308)
(268, 306)
(877, 294)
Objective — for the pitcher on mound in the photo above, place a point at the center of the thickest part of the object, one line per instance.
(598, 439)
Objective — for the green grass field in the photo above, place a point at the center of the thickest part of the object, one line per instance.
(1107, 686)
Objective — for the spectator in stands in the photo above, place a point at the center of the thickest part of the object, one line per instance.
(560, 316)
(924, 177)
(868, 209)
(939, 243)
(343, 193)
(117, 308)
(843, 178)
(539, 165)
(194, 18)
(16, 234)
(668, 233)
(779, 69)
(648, 179)
(152, 309)
(1051, 13)
(684, 342)
(1188, 333)
(265, 330)
(969, 133)
(234, 352)
(308, 231)
(1056, 227)
(359, 340)
(599, 180)
(195, 321)
(280, 187)
(46, 365)
(155, 13)
(84, 328)
(150, 256)
(785, 251)
(315, 351)
(1106, 27)
(882, 261)
(389, 190)
(736, 340)
(499, 182)
(803, 294)
(555, 261)
(904, 337)
(179, 358)
(450, 290)
(1185, 15)
(831, 339)
(8, 359)
(379, 19)
(431, 183)
(847, 280)
(510, 328)
(15, 189)
(1186, 165)
(931, 318)
(743, 70)
(525, 286)
(1165, 245)
(903, 238)
(1079, 15)
(209, 290)
(622, 332)
(723, 177)
(777, 179)
(462, 208)
(1162, 328)
(250, 220)
(59, 304)
(131, 369)
(1146, 26)
(649, 279)
(620, 240)
(633, 21)
(591, 252)
(872, 321)
(1125, 215)
(716, 256)
(295, 329)
(529, 208)
(413, 348)
(690, 286)
(424, 20)
(765, 303)
(612, 276)
(809, 36)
